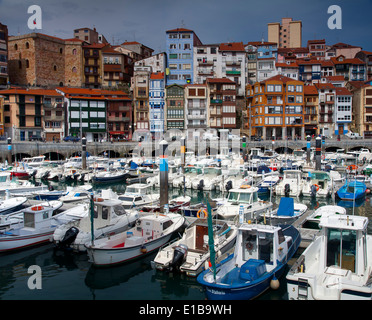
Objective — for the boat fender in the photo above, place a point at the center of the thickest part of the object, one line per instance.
(274, 283)
(143, 249)
(204, 214)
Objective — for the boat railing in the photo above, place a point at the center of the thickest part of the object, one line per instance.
(298, 266)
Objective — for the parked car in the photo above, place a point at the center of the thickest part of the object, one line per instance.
(71, 139)
(353, 135)
(35, 138)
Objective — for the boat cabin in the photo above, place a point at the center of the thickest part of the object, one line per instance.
(138, 189)
(243, 195)
(345, 245)
(37, 217)
(105, 211)
(263, 244)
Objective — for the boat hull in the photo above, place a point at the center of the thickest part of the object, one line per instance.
(11, 243)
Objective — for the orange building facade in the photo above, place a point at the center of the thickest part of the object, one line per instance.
(276, 108)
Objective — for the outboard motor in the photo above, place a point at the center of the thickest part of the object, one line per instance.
(179, 257)
(201, 184)
(69, 237)
(287, 189)
(313, 190)
(33, 174)
(228, 185)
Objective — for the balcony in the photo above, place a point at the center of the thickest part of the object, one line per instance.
(196, 117)
(233, 63)
(216, 101)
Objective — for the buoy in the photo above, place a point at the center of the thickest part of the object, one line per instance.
(368, 191)
(274, 283)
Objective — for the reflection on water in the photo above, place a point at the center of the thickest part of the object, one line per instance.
(70, 276)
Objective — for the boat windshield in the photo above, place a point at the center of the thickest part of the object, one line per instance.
(119, 210)
(320, 176)
(242, 197)
(341, 246)
(257, 245)
(3, 178)
(193, 170)
(130, 199)
(291, 175)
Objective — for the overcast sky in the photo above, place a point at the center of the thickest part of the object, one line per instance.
(214, 21)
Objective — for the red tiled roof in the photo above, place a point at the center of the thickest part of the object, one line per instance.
(220, 80)
(310, 90)
(335, 78)
(157, 76)
(287, 65)
(341, 45)
(347, 61)
(36, 92)
(279, 77)
(311, 61)
(179, 30)
(233, 46)
(261, 43)
(327, 63)
(95, 45)
(327, 85)
(341, 91)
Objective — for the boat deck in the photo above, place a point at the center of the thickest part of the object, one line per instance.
(307, 235)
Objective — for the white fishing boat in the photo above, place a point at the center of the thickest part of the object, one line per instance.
(76, 194)
(287, 212)
(233, 178)
(191, 173)
(244, 199)
(208, 180)
(317, 184)
(312, 221)
(137, 195)
(15, 186)
(150, 233)
(37, 228)
(291, 185)
(35, 161)
(15, 219)
(337, 265)
(9, 205)
(190, 254)
(109, 218)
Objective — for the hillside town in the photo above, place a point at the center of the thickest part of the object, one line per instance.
(285, 87)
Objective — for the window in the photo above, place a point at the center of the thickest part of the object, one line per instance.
(278, 88)
(299, 88)
(172, 46)
(27, 45)
(187, 46)
(270, 88)
(291, 99)
(173, 56)
(290, 88)
(74, 52)
(74, 70)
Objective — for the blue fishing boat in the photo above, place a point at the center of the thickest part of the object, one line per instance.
(260, 256)
(352, 190)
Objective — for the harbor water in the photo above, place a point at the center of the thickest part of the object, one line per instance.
(70, 276)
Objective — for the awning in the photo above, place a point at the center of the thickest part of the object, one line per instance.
(116, 132)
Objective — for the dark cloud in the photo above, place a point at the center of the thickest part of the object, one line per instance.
(212, 20)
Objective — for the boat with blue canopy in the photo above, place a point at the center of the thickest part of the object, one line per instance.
(352, 190)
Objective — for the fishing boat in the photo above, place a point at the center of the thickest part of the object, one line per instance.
(110, 218)
(9, 205)
(337, 265)
(138, 195)
(150, 233)
(318, 184)
(49, 194)
(260, 257)
(76, 194)
(312, 221)
(287, 212)
(110, 176)
(190, 254)
(37, 227)
(352, 190)
(196, 210)
(244, 199)
(210, 178)
(290, 185)
(15, 219)
(268, 183)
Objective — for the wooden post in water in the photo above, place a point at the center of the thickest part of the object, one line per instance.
(308, 148)
(318, 153)
(163, 145)
(84, 152)
(10, 151)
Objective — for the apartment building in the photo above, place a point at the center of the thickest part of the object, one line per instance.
(157, 103)
(222, 103)
(207, 62)
(93, 65)
(362, 107)
(352, 69)
(366, 57)
(137, 51)
(287, 34)
(276, 108)
(85, 113)
(251, 51)
(24, 113)
(157, 62)
(343, 110)
(117, 68)
(288, 69)
(140, 91)
(180, 44)
(175, 107)
(4, 76)
(311, 98)
(54, 116)
(317, 48)
(309, 70)
(326, 109)
(196, 106)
